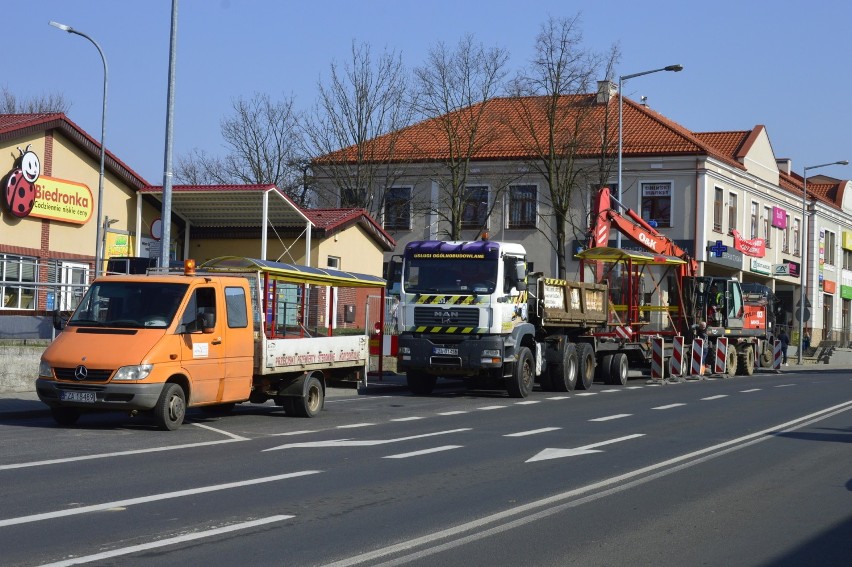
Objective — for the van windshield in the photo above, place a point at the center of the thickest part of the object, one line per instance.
(129, 305)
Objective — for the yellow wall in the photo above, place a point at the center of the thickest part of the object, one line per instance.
(24, 232)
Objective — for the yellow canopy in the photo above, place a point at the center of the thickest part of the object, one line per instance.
(607, 254)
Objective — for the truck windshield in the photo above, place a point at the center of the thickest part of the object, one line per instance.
(461, 277)
(129, 305)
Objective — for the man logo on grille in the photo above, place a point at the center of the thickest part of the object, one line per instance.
(81, 372)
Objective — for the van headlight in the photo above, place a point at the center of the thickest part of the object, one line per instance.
(44, 370)
(135, 372)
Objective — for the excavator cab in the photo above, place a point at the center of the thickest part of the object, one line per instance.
(719, 302)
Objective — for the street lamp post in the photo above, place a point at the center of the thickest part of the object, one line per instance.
(621, 80)
(803, 248)
(98, 233)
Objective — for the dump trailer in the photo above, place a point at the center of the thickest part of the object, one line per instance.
(469, 311)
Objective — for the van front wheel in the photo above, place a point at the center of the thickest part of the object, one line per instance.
(171, 408)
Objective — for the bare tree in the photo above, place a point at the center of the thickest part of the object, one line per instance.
(456, 88)
(262, 142)
(352, 131)
(562, 126)
(45, 103)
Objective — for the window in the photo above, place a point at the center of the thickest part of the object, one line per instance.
(829, 248)
(17, 282)
(732, 212)
(767, 224)
(717, 209)
(797, 240)
(235, 303)
(755, 220)
(333, 262)
(522, 206)
(351, 198)
(785, 236)
(847, 260)
(398, 208)
(657, 203)
(475, 207)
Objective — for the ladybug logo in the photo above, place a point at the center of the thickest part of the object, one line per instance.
(20, 183)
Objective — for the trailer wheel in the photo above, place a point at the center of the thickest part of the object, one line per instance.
(563, 375)
(520, 383)
(745, 362)
(65, 417)
(585, 366)
(602, 370)
(731, 363)
(310, 404)
(171, 408)
(618, 369)
(420, 383)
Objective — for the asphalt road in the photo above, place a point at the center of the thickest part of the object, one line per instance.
(744, 471)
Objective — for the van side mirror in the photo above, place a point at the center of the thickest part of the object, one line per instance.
(59, 322)
(207, 322)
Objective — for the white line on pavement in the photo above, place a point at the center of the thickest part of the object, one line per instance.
(166, 542)
(213, 429)
(527, 402)
(532, 432)
(611, 417)
(489, 408)
(670, 406)
(558, 398)
(457, 412)
(423, 452)
(586, 394)
(715, 397)
(752, 390)
(354, 425)
(412, 418)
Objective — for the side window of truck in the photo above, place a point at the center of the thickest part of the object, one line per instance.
(203, 301)
(235, 303)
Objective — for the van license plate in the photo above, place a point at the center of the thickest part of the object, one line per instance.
(86, 397)
(446, 351)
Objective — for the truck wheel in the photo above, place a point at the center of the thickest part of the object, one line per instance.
(420, 383)
(745, 362)
(585, 366)
(602, 370)
(767, 356)
(618, 369)
(312, 402)
(65, 417)
(563, 375)
(731, 363)
(171, 408)
(520, 384)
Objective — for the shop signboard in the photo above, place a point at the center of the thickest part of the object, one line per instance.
(729, 258)
(759, 266)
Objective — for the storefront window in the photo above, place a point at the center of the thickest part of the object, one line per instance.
(17, 282)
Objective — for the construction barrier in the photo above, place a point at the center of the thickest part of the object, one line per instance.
(776, 355)
(720, 367)
(697, 366)
(677, 357)
(623, 332)
(657, 358)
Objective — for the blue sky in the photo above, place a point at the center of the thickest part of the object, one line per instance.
(783, 64)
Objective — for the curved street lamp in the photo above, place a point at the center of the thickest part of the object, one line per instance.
(98, 237)
(621, 79)
(805, 251)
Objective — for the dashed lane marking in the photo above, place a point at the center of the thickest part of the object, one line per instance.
(412, 418)
(423, 452)
(532, 432)
(749, 391)
(611, 417)
(489, 408)
(527, 402)
(456, 412)
(355, 425)
(714, 397)
(670, 406)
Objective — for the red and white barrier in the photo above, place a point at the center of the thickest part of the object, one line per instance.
(776, 355)
(677, 357)
(720, 367)
(657, 358)
(623, 332)
(697, 366)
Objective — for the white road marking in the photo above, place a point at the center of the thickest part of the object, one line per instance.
(489, 408)
(499, 522)
(412, 418)
(586, 394)
(169, 541)
(528, 402)
(300, 432)
(752, 390)
(354, 425)
(423, 452)
(670, 406)
(147, 499)
(116, 454)
(559, 398)
(532, 432)
(213, 429)
(547, 454)
(784, 385)
(715, 397)
(457, 412)
(360, 443)
(633, 387)
(611, 417)
(609, 391)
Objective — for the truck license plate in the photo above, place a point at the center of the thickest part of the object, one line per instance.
(86, 397)
(445, 351)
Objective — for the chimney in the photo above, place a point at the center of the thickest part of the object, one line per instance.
(785, 165)
(606, 90)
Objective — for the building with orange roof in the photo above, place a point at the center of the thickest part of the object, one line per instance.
(702, 189)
